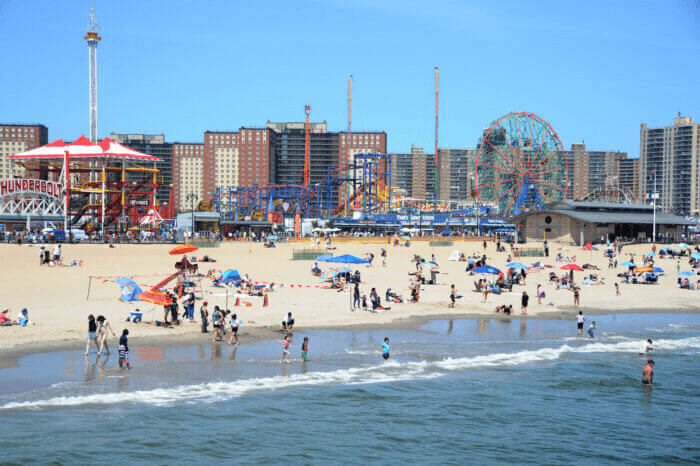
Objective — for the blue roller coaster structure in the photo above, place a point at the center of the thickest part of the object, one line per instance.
(364, 183)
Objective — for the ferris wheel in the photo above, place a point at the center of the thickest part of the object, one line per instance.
(520, 164)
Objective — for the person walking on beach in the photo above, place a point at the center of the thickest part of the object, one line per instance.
(648, 373)
(384, 349)
(579, 322)
(577, 296)
(540, 294)
(92, 334)
(204, 315)
(453, 295)
(124, 349)
(617, 289)
(485, 289)
(356, 303)
(217, 320)
(524, 302)
(104, 326)
(305, 350)
(234, 329)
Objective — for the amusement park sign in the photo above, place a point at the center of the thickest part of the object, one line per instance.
(17, 185)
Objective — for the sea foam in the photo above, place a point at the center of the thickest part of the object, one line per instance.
(373, 374)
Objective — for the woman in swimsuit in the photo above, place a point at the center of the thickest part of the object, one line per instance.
(102, 327)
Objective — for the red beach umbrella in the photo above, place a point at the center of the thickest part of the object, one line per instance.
(182, 249)
(572, 266)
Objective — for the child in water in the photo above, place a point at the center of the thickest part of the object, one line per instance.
(124, 349)
(305, 349)
(591, 329)
(285, 348)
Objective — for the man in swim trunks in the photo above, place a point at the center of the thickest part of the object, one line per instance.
(580, 319)
(648, 373)
(384, 349)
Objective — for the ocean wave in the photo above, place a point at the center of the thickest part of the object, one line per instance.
(382, 373)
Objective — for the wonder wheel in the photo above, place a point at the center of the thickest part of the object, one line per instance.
(520, 164)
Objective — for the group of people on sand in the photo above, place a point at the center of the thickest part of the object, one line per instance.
(22, 318)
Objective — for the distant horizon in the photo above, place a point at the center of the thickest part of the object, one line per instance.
(595, 72)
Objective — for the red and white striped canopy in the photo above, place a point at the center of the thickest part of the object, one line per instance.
(82, 148)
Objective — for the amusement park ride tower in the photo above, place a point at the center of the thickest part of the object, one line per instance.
(92, 40)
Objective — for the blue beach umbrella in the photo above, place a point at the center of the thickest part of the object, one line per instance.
(517, 265)
(658, 270)
(687, 273)
(628, 264)
(324, 258)
(230, 275)
(682, 245)
(272, 237)
(696, 256)
(348, 259)
(487, 269)
(649, 254)
(330, 273)
(129, 289)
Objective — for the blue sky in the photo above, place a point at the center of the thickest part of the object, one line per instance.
(594, 71)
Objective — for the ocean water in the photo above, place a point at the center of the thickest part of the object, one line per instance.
(455, 391)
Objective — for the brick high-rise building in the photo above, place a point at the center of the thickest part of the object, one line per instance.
(629, 177)
(188, 175)
(672, 155)
(593, 172)
(16, 138)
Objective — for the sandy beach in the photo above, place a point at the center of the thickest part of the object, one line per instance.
(58, 303)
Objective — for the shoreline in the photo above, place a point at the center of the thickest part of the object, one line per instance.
(252, 334)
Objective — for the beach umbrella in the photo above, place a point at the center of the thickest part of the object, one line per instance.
(572, 266)
(160, 298)
(609, 248)
(658, 270)
(129, 289)
(687, 273)
(182, 249)
(330, 273)
(406, 237)
(649, 254)
(230, 275)
(682, 245)
(644, 269)
(696, 256)
(487, 269)
(517, 265)
(627, 264)
(348, 259)
(343, 269)
(324, 258)
(272, 237)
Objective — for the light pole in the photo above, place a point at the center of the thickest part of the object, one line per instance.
(192, 197)
(654, 197)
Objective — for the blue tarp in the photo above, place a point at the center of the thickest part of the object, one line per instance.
(130, 290)
(348, 259)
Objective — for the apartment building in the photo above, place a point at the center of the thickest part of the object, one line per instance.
(188, 175)
(16, 138)
(669, 157)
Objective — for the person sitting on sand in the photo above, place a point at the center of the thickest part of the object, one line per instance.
(4, 320)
